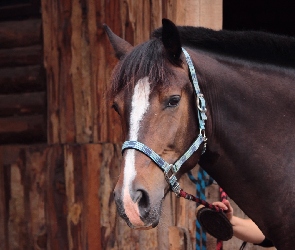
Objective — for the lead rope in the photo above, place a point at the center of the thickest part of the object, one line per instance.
(191, 197)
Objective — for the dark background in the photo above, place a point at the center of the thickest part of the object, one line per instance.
(275, 16)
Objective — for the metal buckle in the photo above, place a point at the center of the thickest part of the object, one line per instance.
(166, 173)
(199, 96)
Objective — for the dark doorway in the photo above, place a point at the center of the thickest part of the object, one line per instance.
(275, 16)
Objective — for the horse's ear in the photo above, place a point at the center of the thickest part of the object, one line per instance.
(171, 39)
(120, 46)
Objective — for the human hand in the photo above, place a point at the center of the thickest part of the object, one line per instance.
(226, 207)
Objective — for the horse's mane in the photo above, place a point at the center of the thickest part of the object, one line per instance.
(146, 59)
(250, 45)
(149, 58)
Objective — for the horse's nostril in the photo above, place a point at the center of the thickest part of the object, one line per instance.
(138, 195)
(143, 202)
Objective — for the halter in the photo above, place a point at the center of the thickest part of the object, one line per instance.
(171, 169)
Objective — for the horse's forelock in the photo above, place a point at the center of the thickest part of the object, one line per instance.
(145, 60)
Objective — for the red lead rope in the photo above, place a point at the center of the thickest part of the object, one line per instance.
(223, 196)
(190, 197)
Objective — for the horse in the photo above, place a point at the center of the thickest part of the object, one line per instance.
(241, 115)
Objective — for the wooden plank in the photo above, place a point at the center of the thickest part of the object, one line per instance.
(25, 129)
(81, 74)
(65, 87)
(57, 61)
(23, 104)
(195, 13)
(18, 231)
(50, 27)
(91, 233)
(20, 33)
(73, 185)
(13, 57)
(22, 79)
(23, 170)
(107, 125)
(211, 14)
(55, 200)
(178, 239)
(35, 185)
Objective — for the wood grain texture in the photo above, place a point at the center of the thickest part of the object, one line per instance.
(21, 56)
(22, 129)
(22, 79)
(12, 36)
(23, 104)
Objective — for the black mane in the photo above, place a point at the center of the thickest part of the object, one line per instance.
(250, 45)
(146, 59)
(149, 58)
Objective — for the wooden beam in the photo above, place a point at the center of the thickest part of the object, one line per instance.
(22, 79)
(23, 129)
(23, 56)
(23, 104)
(55, 204)
(12, 34)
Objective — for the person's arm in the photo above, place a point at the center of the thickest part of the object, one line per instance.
(244, 229)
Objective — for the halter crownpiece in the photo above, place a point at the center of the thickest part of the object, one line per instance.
(171, 169)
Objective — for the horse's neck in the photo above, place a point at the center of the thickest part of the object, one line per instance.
(251, 123)
(250, 105)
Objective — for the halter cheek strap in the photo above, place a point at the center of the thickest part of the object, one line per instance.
(171, 169)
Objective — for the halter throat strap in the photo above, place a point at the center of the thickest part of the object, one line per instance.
(171, 169)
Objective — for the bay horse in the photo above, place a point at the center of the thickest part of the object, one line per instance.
(242, 115)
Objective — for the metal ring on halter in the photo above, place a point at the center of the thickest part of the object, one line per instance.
(201, 107)
(202, 133)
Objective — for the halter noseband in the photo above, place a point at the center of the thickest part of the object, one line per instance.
(171, 169)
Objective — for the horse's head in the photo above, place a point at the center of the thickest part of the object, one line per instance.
(155, 99)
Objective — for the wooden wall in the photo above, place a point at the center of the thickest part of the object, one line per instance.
(79, 59)
(22, 78)
(58, 195)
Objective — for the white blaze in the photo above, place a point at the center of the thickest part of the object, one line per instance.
(139, 105)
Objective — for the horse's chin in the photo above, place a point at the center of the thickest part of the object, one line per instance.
(145, 227)
(149, 222)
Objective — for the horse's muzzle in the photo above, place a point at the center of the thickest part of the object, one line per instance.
(137, 210)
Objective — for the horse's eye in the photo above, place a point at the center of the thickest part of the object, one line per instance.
(115, 107)
(173, 101)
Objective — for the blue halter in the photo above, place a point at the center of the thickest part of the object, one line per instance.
(171, 169)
